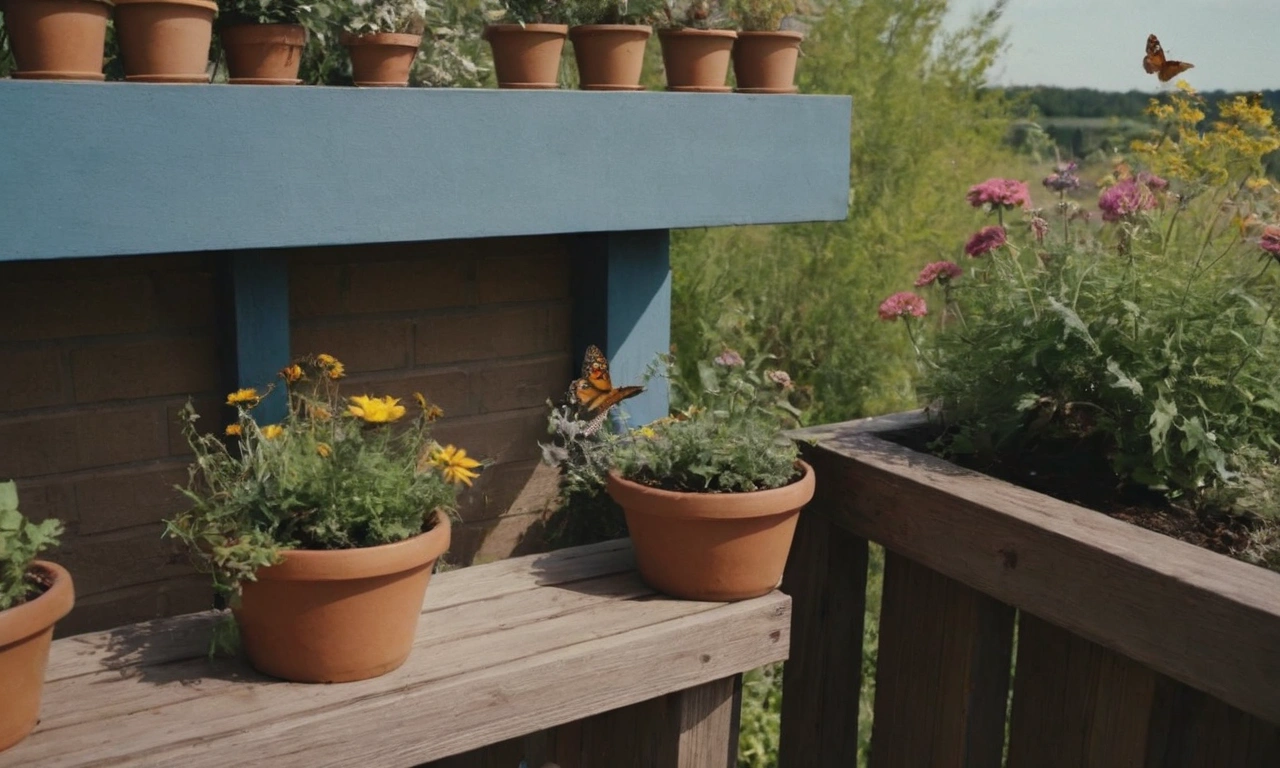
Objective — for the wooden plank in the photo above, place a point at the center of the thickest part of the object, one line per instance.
(826, 577)
(942, 672)
(705, 719)
(260, 310)
(1164, 603)
(244, 168)
(1191, 729)
(1075, 703)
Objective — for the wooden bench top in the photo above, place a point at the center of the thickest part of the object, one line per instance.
(502, 650)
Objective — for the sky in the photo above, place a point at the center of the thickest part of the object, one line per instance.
(1234, 44)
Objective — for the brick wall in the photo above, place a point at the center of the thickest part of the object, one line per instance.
(96, 356)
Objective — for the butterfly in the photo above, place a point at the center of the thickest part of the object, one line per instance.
(1155, 62)
(595, 391)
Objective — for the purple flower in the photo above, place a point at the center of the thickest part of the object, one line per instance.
(1063, 178)
(780, 378)
(1039, 228)
(999, 193)
(1152, 181)
(1270, 241)
(729, 359)
(985, 240)
(902, 304)
(1124, 199)
(940, 272)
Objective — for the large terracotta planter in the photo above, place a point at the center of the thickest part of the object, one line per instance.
(339, 615)
(25, 633)
(711, 546)
(765, 62)
(165, 41)
(610, 56)
(263, 54)
(527, 56)
(383, 59)
(57, 39)
(697, 60)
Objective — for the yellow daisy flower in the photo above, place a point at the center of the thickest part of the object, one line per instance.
(272, 431)
(247, 397)
(337, 371)
(292, 373)
(421, 400)
(376, 410)
(324, 450)
(455, 465)
(233, 430)
(326, 360)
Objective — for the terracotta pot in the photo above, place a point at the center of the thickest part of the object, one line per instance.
(696, 59)
(339, 615)
(263, 54)
(610, 56)
(712, 546)
(382, 59)
(165, 41)
(765, 62)
(528, 56)
(25, 633)
(57, 39)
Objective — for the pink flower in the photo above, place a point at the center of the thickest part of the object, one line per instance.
(1039, 228)
(985, 240)
(780, 378)
(1063, 178)
(939, 271)
(1152, 181)
(902, 304)
(1270, 241)
(729, 359)
(1124, 199)
(999, 193)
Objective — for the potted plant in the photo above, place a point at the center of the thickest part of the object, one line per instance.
(609, 39)
(34, 595)
(528, 44)
(165, 41)
(711, 495)
(383, 37)
(696, 46)
(323, 530)
(764, 55)
(263, 39)
(57, 39)
(1133, 366)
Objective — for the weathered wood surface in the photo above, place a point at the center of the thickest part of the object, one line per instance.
(502, 650)
(942, 671)
(1203, 619)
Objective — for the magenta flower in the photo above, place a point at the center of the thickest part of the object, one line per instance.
(1063, 178)
(781, 378)
(985, 240)
(1124, 199)
(902, 304)
(1039, 228)
(939, 272)
(1270, 241)
(999, 193)
(729, 359)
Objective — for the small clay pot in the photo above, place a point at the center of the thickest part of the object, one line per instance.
(383, 59)
(332, 616)
(697, 60)
(263, 54)
(57, 39)
(712, 546)
(165, 41)
(527, 56)
(610, 56)
(765, 62)
(25, 634)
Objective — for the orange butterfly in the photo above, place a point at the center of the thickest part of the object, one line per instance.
(1155, 62)
(595, 391)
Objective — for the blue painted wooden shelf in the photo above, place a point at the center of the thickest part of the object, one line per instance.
(112, 169)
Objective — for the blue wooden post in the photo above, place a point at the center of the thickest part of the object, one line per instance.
(260, 313)
(622, 304)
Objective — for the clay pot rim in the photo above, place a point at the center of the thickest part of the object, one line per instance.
(259, 34)
(207, 5)
(36, 616)
(775, 33)
(505, 29)
(589, 29)
(686, 31)
(361, 562)
(720, 506)
(107, 3)
(390, 39)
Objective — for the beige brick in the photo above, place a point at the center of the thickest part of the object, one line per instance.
(106, 561)
(110, 501)
(133, 604)
(176, 365)
(513, 489)
(499, 438)
(509, 386)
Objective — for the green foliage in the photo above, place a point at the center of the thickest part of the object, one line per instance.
(695, 14)
(536, 11)
(761, 719)
(364, 17)
(614, 11)
(270, 12)
(20, 541)
(760, 15)
(334, 475)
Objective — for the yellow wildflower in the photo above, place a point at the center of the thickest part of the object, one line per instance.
(376, 410)
(320, 413)
(647, 432)
(337, 371)
(272, 431)
(421, 400)
(233, 430)
(291, 373)
(455, 465)
(324, 450)
(248, 397)
(326, 360)
(433, 412)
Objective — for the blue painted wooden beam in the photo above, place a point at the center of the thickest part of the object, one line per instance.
(116, 169)
(259, 284)
(622, 304)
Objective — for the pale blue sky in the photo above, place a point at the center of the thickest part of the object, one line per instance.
(1234, 44)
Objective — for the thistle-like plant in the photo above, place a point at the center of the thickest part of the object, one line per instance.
(20, 542)
(695, 14)
(367, 17)
(760, 15)
(271, 12)
(533, 11)
(615, 11)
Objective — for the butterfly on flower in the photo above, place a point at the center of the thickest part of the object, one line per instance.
(594, 392)
(1155, 62)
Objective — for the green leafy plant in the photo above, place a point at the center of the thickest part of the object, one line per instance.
(337, 473)
(760, 15)
(367, 17)
(695, 14)
(615, 11)
(271, 12)
(20, 542)
(534, 11)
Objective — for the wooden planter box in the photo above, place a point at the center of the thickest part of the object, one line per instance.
(1132, 648)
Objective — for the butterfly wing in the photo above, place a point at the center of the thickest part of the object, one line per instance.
(595, 390)
(1171, 69)
(1154, 59)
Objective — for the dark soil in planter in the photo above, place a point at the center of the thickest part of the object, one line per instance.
(1084, 478)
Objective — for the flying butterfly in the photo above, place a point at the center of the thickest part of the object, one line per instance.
(1155, 62)
(595, 391)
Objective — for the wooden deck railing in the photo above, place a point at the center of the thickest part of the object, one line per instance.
(1132, 649)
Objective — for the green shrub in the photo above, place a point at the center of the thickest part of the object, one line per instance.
(20, 542)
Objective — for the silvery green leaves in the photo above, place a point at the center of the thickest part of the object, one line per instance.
(366, 17)
(20, 542)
